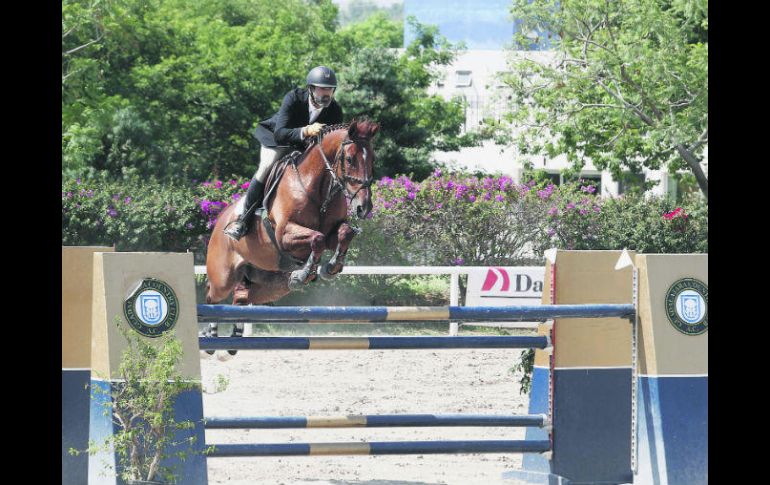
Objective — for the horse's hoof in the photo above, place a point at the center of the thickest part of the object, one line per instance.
(223, 356)
(300, 278)
(296, 280)
(325, 275)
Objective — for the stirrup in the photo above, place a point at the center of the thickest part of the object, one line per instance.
(236, 230)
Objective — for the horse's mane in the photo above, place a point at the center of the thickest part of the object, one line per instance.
(325, 130)
(341, 126)
(329, 128)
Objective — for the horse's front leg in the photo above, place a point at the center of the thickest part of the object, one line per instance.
(296, 237)
(342, 239)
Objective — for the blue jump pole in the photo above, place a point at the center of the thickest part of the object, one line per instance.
(372, 343)
(375, 421)
(381, 448)
(244, 313)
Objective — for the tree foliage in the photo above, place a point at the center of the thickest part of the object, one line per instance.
(391, 87)
(628, 87)
(355, 11)
(171, 89)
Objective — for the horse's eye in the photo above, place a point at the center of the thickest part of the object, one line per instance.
(351, 160)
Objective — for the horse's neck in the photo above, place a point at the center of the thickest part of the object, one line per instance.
(320, 176)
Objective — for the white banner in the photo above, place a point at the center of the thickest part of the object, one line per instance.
(505, 286)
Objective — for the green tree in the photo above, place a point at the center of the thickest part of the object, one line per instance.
(377, 30)
(356, 11)
(628, 87)
(183, 82)
(391, 87)
(170, 90)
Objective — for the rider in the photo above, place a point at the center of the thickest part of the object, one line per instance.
(303, 112)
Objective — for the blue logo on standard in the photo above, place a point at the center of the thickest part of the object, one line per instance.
(690, 306)
(686, 305)
(151, 307)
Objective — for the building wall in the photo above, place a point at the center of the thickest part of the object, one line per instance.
(487, 28)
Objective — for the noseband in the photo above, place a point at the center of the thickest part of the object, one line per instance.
(338, 185)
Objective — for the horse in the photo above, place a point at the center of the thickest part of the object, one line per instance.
(307, 213)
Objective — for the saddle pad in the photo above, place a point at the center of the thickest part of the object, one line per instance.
(275, 174)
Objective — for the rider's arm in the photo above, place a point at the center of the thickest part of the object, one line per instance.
(284, 135)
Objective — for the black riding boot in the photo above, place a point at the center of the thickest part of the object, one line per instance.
(240, 227)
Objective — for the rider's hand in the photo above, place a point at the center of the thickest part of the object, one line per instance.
(312, 130)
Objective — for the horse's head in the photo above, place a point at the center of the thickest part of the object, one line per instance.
(356, 170)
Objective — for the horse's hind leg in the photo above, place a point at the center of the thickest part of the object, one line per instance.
(220, 283)
(342, 239)
(266, 286)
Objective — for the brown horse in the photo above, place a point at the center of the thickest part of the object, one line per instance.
(308, 211)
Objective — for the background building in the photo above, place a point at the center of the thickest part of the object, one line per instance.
(486, 29)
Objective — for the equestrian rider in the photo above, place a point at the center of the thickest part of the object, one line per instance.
(303, 112)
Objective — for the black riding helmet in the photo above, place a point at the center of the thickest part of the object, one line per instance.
(322, 77)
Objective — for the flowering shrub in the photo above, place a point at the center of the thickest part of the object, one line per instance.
(454, 220)
(443, 220)
(132, 216)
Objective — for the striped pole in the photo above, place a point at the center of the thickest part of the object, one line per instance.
(380, 448)
(245, 313)
(375, 421)
(372, 343)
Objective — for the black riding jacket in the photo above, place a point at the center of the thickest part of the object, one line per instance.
(284, 128)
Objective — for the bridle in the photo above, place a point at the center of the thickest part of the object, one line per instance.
(340, 184)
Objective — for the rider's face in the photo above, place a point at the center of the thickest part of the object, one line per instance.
(323, 96)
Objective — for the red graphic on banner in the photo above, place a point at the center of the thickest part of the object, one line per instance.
(489, 283)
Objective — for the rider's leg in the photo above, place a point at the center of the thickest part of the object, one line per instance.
(254, 195)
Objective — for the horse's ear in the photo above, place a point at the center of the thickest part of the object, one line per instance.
(353, 130)
(373, 128)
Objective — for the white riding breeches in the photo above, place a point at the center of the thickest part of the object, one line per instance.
(267, 156)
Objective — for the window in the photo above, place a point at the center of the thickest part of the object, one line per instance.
(462, 79)
(631, 182)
